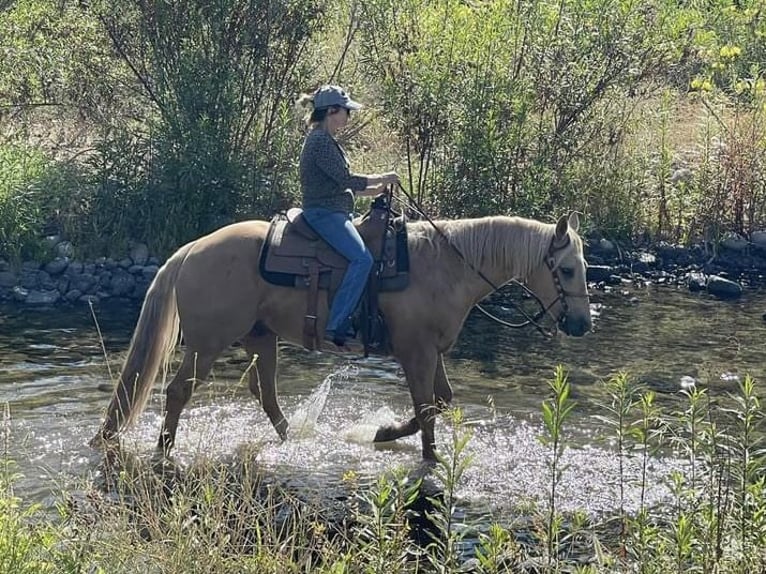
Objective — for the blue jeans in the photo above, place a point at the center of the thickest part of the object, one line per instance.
(337, 229)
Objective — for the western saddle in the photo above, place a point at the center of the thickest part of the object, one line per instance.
(295, 256)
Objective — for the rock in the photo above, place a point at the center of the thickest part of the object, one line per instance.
(73, 295)
(153, 261)
(734, 242)
(4, 266)
(30, 279)
(88, 299)
(723, 288)
(639, 267)
(135, 269)
(8, 279)
(149, 272)
(758, 239)
(47, 283)
(30, 266)
(45, 297)
(697, 281)
(140, 290)
(57, 266)
(19, 293)
(83, 283)
(669, 252)
(75, 268)
(65, 249)
(647, 258)
(51, 241)
(139, 254)
(606, 246)
(599, 273)
(122, 284)
(63, 285)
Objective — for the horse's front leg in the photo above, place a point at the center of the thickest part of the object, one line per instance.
(443, 393)
(419, 366)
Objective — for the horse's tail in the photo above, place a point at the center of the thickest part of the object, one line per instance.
(152, 345)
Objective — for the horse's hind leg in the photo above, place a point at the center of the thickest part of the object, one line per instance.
(443, 395)
(263, 378)
(194, 368)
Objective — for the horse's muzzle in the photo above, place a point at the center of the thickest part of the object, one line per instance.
(575, 326)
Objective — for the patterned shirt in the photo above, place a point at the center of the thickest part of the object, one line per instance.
(326, 181)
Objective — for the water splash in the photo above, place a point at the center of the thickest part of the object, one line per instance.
(363, 432)
(303, 422)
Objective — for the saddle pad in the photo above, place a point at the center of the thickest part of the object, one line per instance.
(286, 258)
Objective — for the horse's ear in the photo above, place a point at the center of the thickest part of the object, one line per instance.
(574, 221)
(562, 226)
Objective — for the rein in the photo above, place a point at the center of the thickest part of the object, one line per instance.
(528, 320)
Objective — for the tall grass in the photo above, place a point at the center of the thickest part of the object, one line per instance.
(220, 516)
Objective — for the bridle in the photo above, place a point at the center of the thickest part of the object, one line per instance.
(562, 295)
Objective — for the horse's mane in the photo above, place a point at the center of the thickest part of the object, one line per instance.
(488, 241)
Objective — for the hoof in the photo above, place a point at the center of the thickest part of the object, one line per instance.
(423, 469)
(281, 427)
(384, 434)
(105, 442)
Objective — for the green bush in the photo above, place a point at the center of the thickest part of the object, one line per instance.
(513, 107)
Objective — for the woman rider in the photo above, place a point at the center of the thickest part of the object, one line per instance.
(329, 188)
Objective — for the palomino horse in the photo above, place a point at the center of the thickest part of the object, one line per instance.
(212, 291)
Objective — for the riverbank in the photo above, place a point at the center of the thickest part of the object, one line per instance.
(723, 271)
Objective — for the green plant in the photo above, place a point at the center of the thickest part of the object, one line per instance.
(556, 411)
(444, 552)
(382, 534)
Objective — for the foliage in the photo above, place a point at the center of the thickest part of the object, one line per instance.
(507, 105)
(215, 517)
(173, 118)
(52, 56)
(219, 83)
(30, 185)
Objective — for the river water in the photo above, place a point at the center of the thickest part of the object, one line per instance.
(54, 366)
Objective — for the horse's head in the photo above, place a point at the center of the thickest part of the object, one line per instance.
(559, 282)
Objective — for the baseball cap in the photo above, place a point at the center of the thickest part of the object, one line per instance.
(327, 96)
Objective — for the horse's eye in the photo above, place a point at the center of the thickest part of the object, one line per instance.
(567, 272)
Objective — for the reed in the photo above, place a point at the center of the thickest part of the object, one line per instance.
(231, 516)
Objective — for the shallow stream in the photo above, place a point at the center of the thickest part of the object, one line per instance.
(53, 371)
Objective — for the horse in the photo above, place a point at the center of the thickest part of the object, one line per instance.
(210, 293)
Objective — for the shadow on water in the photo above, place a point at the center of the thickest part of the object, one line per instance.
(52, 367)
